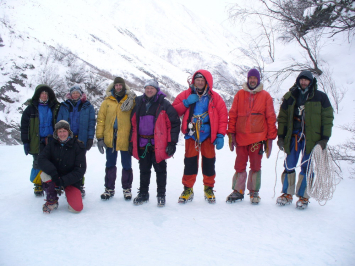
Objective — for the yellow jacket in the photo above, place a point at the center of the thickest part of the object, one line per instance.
(109, 110)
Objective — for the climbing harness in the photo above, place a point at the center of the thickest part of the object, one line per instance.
(195, 128)
(148, 146)
(254, 146)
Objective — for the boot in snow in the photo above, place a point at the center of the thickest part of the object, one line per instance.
(141, 198)
(234, 196)
(50, 206)
(284, 199)
(161, 200)
(127, 194)
(209, 195)
(51, 197)
(186, 195)
(302, 203)
(38, 190)
(109, 193)
(82, 190)
(254, 197)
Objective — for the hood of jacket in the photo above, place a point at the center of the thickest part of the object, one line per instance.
(39, 89)
(111, 86)
(208, 77)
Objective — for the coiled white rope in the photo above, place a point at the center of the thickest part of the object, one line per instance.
(321, 176)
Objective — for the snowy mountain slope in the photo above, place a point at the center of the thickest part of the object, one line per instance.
(160, 39)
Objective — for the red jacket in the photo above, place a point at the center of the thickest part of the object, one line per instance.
(166, 128)
(217, 110)
(252, 116)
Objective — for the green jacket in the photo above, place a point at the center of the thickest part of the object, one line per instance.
(30, 118)
(318, 117)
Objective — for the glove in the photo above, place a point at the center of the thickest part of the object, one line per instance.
(281, 143)
(268, 147)
(322, 143)
(130, 148)
(191, 99)
(26, 147)
(89, 144)
(219, 141)
(101, 145)
(171, 148)
(232, 142)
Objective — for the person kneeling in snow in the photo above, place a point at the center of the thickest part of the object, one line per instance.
(63, 165)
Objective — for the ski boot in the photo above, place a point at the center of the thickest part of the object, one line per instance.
(234, 196)
(302, 203)
(82, 190)
(38, 190)
(50, 206)
(209, 196)
(284, 199)
(109, 193)
(254, 197)
(127, 194)
(141, 198)
(161, 200)
(186, 195)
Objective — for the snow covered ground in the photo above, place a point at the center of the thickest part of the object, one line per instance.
(116, 232)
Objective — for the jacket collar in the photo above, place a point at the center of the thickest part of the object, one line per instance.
(259, 88)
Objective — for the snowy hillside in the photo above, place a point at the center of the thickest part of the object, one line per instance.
(64, 42)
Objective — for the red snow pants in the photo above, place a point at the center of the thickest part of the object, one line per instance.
(243, 153)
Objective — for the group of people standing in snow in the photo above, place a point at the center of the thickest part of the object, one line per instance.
(147, 127)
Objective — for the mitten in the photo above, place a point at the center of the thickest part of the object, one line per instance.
(191, 99)
(171, 148)
(219, 141)
(101, 145)
(322, 143)
(89, 144)
(232, 142)
(268, 147)
(281, 143)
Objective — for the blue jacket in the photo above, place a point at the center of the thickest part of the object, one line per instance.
(45, 120)
(87, 119)
(200, 108)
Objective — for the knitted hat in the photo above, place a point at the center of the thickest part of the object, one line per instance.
(76, 88)
(62, 124)
(152, 83)
(253, 73)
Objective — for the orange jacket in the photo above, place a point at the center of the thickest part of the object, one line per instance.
(252, 117)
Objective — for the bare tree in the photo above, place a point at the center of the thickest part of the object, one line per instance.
(346, 152)
(305, 22)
